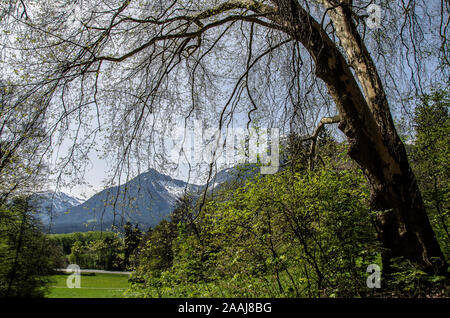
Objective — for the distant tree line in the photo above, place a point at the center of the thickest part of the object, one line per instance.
(99, 250)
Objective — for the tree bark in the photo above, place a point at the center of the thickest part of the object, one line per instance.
(403, 225)
(405, 229)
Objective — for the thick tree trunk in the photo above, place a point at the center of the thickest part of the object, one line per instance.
(404, 227)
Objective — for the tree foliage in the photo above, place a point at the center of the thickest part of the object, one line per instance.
(430, 156)
(27, 257)
(132, 238)
(305, 234)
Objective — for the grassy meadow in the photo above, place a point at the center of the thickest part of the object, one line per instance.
(92, 286)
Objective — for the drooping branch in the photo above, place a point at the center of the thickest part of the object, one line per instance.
(199, 19)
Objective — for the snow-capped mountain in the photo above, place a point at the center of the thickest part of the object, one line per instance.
(232, 174)
(145, 200)
(50, 204)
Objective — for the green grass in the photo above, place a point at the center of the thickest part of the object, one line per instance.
(92, 286)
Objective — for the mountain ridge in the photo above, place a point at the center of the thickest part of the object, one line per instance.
(146, 200)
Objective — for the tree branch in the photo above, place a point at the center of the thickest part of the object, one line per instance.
(312, 150)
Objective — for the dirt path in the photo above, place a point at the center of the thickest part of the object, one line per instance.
(98, 271)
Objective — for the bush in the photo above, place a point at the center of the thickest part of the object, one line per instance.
(301, 234)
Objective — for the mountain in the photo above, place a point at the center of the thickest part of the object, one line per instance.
(146, 200)
(234, 175)
(50, 204)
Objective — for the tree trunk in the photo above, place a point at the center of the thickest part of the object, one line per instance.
(403, 226)
(404, 229)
